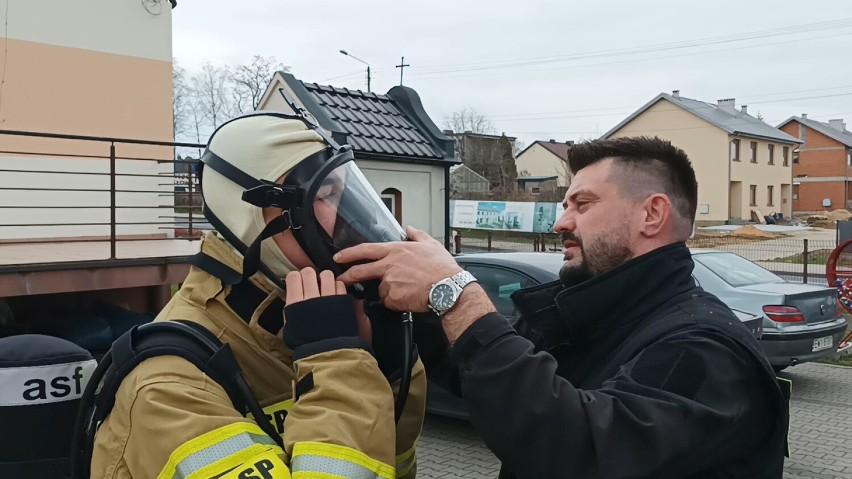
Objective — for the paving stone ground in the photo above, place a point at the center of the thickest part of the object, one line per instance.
(820, 433)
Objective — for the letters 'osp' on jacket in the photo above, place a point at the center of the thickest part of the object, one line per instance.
(171, 421)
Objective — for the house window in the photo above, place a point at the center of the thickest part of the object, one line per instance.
(735, 150)
(535, 190)
(392, 198)
(795, 192)
(848, 157)
(769, 195)
(753, 157)
(771, 154)
(752, 195)
(796, 156)
(785, 153)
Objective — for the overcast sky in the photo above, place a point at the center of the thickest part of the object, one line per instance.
(542, 69)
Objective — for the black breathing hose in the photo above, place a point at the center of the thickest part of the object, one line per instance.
(84, 425)
(405, 379)
(369, 291)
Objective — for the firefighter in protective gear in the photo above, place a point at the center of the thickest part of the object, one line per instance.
(312, 372)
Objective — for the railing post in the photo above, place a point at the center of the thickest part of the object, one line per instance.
(112, 235)
(457, 241)
(489, 241)
(191, 187)
(805, 262)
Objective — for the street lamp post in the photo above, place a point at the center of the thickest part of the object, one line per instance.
(362, 61)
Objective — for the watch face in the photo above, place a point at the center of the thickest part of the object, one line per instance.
(442, 297)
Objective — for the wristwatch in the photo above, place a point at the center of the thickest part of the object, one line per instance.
(445, 293)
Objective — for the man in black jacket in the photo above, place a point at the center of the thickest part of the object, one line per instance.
(624, 367)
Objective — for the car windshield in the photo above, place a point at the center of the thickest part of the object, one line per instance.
(736, 270)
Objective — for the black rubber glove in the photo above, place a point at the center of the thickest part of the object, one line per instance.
(322, 324)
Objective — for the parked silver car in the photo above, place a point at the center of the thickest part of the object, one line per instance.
(801, 322)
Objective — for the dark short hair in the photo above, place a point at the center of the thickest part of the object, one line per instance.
(648, 160)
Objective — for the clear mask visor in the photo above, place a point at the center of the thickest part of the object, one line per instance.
(350, 211)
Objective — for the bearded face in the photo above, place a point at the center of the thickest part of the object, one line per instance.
(597, 254)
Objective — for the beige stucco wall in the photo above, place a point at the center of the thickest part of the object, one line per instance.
(761, 175)
(100, 68)
(539, 161)
(107, 26)
(82, 92)
(705, 145)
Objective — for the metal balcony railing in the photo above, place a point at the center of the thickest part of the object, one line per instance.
(59, 188)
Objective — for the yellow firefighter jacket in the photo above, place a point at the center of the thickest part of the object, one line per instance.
(171, 421)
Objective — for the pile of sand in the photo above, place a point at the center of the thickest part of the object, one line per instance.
(825, 224)
(839, 215)
(750, 231)
(828, 220)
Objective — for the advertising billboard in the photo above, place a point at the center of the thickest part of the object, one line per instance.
(525, 217)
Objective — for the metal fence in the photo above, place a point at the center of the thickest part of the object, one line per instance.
(57, 188)
(795, 259)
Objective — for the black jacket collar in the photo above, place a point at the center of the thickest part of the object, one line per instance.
(589, 310)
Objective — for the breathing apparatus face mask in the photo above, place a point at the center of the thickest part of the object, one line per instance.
(326, 203)
(338, 209)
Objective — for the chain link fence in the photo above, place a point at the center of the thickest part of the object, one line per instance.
(794, 259)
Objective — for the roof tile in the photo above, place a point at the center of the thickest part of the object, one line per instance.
(358, 143)
(362, 118)
(373, 123)
(394, 134)
(409, 148)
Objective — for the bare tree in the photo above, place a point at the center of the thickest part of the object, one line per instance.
(211, 94)
(506, 168)
(196, 117)
(204, 99)
(491, 157)
(469, 119)
(250, 81)
(181, 100)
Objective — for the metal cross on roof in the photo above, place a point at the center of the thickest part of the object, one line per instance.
(401, 67)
